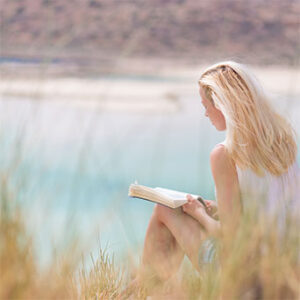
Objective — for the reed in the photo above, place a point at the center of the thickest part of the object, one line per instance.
(103, 281)
(259, 261)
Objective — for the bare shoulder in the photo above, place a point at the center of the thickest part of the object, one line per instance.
(219, 154)
(220, 160)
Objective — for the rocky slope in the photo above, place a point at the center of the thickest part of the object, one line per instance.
(260, 31)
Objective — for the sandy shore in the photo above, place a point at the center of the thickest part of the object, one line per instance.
(159, 91)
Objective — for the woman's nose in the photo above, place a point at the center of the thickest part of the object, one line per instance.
(206, 114)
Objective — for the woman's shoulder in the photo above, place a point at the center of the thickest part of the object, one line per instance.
(220, 159)
(219, 152)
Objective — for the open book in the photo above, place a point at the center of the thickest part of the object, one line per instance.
(159, 195)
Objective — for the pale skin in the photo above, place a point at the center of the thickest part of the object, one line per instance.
(173, 233)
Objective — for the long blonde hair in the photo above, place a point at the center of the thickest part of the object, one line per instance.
(257, 137)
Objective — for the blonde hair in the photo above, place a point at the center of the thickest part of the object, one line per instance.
(257, 137)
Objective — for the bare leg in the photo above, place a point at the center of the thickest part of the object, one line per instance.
(162, 254)
(170, 235)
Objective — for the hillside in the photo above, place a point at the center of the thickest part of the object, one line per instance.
(264, 32)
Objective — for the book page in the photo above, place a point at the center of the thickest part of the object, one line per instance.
(175, 195)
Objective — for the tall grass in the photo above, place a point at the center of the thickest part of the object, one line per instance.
(103, 281)
(21, 275)
(259, 261)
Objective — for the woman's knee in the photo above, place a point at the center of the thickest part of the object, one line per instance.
(163, 213)
(159, 211)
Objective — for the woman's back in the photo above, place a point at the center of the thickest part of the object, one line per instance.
(272, 194)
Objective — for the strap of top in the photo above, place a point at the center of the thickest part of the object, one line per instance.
(222, 143)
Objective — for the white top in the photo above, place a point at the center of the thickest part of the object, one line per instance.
(276, 194)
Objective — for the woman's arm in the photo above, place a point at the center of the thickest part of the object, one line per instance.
(228, 196)
(227, 188)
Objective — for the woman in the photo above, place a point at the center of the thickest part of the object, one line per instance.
(257, 160)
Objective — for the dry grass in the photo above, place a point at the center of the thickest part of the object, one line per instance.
(258, 262)
(103, 281)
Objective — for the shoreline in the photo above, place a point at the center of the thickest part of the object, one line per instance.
(167, 85)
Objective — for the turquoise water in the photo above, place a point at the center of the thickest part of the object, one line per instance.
(71, 167)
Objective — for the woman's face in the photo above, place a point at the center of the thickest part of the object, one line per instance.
(215, 115)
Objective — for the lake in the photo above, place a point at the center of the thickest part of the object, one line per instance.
(69, 160)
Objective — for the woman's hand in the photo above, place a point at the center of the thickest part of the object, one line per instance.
(212, 208)
(194, 208)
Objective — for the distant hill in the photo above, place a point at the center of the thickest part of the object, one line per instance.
(260, 31)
